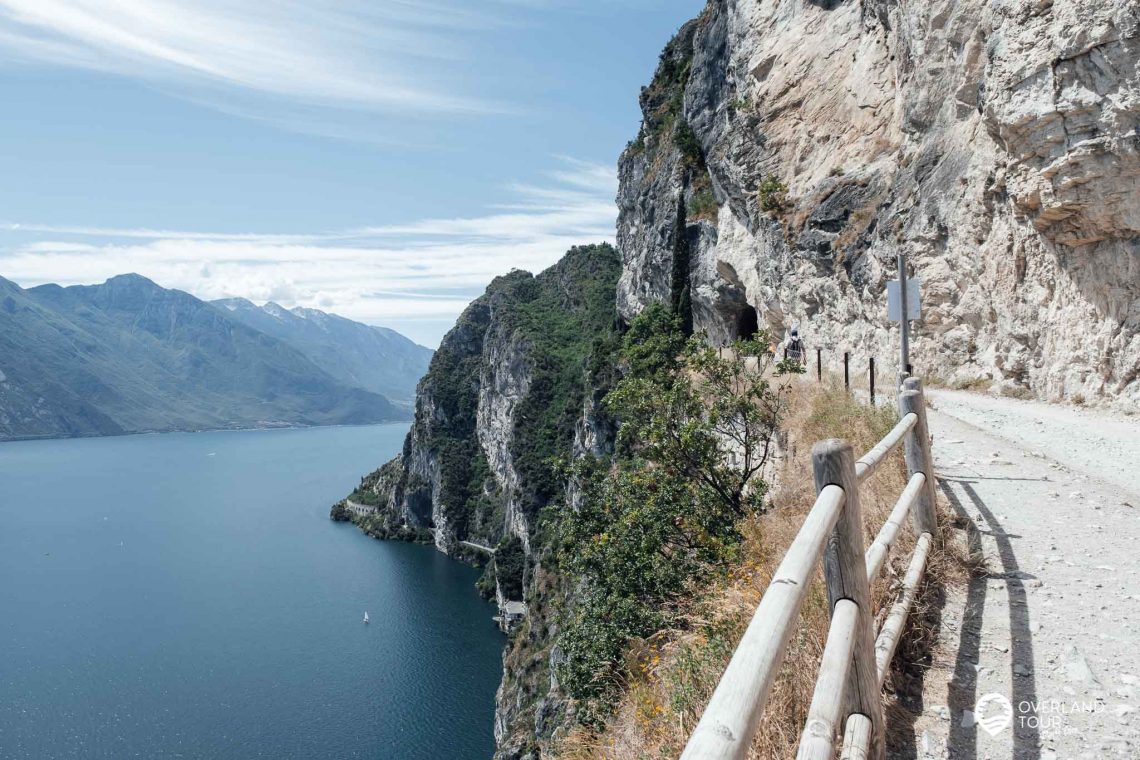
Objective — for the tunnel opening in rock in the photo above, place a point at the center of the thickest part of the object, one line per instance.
(747, 323)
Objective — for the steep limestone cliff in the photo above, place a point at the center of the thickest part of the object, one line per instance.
(504, 395)
(995, 143)
(514, 385)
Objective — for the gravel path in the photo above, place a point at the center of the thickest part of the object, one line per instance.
(1101, 444)
(1052, 500)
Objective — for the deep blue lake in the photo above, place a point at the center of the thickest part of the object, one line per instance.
(186, 595)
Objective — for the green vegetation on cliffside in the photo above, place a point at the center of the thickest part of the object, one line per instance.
(552, 334)
(568, 322)
(661, 517)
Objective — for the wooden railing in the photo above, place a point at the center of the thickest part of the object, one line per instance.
(855, 661)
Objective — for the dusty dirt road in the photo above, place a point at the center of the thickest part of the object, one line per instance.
(1048, 637)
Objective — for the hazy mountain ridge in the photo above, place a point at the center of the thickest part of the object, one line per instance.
(373, 358)
(131, 356)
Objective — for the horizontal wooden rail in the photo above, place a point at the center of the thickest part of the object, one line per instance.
(866, 465)
(893, 626)
(730, 720)
(879, 549)
(827, 701)
(855, 661)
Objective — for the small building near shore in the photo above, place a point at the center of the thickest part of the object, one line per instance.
(510, 615)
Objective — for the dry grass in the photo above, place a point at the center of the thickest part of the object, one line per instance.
(675, 673)
(857, 223)
(976, 384)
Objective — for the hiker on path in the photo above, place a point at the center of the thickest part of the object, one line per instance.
(794, 347)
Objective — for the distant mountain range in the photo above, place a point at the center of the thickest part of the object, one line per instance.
(130, 356)
(373, 358)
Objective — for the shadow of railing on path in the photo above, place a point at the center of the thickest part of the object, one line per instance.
(964, 687)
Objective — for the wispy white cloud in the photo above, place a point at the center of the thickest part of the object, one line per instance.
(143, 233)
(372, 54)
(424, 270)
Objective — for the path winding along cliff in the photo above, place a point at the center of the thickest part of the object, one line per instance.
(789, 149)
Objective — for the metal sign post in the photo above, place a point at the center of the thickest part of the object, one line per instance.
(904, 365)
(903, 305)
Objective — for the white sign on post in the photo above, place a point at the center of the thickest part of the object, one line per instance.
(894, 307)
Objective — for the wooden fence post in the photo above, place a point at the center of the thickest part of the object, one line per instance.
(846, 371)
(819, 365)
(845, 570)
(871, 374)
(916, 449)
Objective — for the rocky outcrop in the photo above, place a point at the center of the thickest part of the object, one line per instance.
(514, 385)
(995, 144)
(508, 389)
(503, 384)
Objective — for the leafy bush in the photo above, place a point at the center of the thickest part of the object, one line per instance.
(695, 433)
(686, 141)
(510, 567)
(702, 205)
(653, 343)
(594, 638)
(790, 367)
(772, 194)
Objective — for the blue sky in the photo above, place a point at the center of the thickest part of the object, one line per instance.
(382, 159)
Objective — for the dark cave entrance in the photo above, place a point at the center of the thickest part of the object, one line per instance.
(748, 323)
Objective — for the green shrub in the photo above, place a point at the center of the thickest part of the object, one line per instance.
(662, 518)
(510, 567)
(790, 367)
(772, 194)
(686, 141)
(702, 204)
(653, 343)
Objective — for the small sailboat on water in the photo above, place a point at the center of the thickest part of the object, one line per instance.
(366, 618)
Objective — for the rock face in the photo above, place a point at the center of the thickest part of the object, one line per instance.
(995, 144)
(515, 384)
(507, 389)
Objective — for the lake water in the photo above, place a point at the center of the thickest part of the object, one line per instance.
(186, 595)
